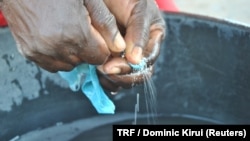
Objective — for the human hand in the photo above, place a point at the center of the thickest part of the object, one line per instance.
(143, 28)
(58, 35)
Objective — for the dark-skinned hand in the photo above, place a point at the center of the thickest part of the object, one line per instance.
(60, 34)
(143, 29)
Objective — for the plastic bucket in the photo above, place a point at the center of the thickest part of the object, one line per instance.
(201, 76)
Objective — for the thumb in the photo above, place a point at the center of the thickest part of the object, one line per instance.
(137, 32)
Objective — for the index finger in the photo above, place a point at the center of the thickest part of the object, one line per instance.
(106, 25)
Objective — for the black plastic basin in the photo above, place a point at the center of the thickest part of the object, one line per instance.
(202, 74)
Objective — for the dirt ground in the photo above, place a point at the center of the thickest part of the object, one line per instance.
(235, 10)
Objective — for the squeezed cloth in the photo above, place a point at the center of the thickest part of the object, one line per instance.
(84, 77)
(139, 67)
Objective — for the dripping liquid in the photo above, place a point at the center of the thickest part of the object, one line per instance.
(150, 98)
(149, 92)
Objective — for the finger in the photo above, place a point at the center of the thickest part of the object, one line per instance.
(116, 66)
(129, 80)
(137, 33)
(96, 51)
(105, 23)
(83, 40)
(106, 83)
(152, 50)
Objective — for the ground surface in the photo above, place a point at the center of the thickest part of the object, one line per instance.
(236, 10)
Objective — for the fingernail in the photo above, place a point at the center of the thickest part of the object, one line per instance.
(114, 70)
(119, 43)
(137, 55)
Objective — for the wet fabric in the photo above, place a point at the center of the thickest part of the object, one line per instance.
(139, 67)
(84, 77)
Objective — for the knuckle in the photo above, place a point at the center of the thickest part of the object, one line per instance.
(28, 53)
(106, 22)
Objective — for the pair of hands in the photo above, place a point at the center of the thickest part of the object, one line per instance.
(59, 35)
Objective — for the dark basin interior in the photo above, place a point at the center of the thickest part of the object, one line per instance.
(201, 77)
